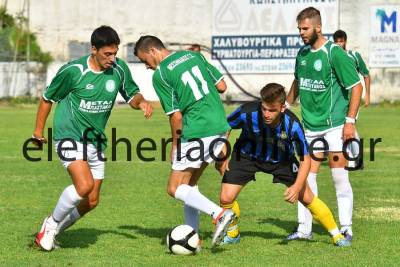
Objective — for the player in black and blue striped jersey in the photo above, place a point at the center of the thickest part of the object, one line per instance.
(270, 139)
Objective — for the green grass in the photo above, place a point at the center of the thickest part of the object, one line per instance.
(129, 226)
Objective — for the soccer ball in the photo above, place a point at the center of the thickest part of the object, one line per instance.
(183, 240)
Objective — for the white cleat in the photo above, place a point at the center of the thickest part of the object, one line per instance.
(45, 238)
(222, 223)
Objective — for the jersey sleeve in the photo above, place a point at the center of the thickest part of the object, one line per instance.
(344, 67)
(362, 67)
(212, 70)
(165, 93)
(235, 119)
(62, 84)
(299, 140)
(128, 88)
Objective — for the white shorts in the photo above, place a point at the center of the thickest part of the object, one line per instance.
(95, 164)
(332, 136)
(193, 154)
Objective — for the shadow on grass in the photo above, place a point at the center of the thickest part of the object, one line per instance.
(290, 226)
(160, 233)
(84, 237)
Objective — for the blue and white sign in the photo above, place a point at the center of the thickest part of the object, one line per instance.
(261, 36)
(384, 48)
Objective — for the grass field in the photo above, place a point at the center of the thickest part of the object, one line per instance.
(129, 226)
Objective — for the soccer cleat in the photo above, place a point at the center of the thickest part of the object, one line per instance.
(231, 240)
(296, 235)
(341, 241)
(45, 237)
(347, 235)
(221, 226)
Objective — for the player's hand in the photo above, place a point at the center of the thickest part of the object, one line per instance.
(349, 131)
(292, 194)
(222, 166)
(38, 140)
(366, 101)
(146, 108)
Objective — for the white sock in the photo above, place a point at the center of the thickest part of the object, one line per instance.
(68, 221)
(192, 215)
(304, 215)
(195, 199)
(69, 199)
(344, 195)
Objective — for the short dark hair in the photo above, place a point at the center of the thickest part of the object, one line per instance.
(146, 42)
(309, 13)
(104, 36)
(273, 92)
(339, 34)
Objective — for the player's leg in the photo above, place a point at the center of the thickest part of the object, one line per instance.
(241, 171)
(304, 229)
(322, 214)
(178, 187)
(229, 193)
(192, 215)
(340, 176)
(97, 167)
(71, 196)
(86, 205)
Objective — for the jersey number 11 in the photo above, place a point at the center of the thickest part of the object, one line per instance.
(187, 78)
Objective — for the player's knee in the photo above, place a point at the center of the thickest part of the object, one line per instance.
(84, 188)
(171, 190)
(93, 202)
(226, 198)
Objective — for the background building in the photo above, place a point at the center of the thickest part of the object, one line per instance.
(64, 27)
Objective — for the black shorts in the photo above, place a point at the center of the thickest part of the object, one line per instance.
(242, 170)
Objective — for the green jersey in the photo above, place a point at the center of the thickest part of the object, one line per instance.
(184, 81)
(360, 64)
(85, 98)
(324, 77)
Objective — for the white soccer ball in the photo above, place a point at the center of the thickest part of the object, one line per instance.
(183, 240)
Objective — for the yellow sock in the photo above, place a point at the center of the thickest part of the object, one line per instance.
(233, 229)
(323, 215)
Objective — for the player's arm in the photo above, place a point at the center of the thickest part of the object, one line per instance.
(138, 102)
(235, 122)
(347, 74)
(300, 145)
(222, 165)
(175, 121)
(367, 78)
(61, 85)
(292, 192)
(367, 81)
(293, 93)
(215, 74)
(294, 88)
(41, 118)
(221, 86)
(130, 91)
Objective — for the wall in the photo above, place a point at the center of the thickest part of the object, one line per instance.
(185, 21)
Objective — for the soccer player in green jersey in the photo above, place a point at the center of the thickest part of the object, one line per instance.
(188, 88)
(340, 38)
(85, 91)
(329, 88)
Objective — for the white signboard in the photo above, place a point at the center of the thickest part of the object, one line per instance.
(261, 36)
(384, 47)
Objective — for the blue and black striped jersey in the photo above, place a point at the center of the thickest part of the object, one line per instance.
(262, 142)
